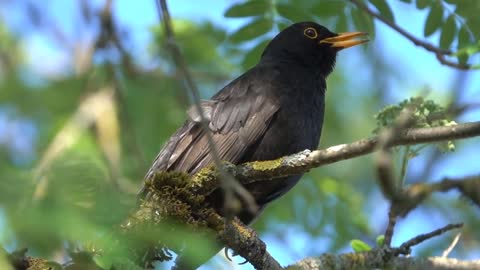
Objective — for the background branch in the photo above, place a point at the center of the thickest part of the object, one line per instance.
(439, 52)
(229, 184)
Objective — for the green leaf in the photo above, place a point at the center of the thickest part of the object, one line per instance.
(463, 58)
(449, 31)
(384, 9)
(359, 245)
(474, 21)
(282, 25)
(455, 2)
(247, 9)
(252, 30)
(421, 4)
(463, 41)
(252, 57)
(363, 22)
(380, 240)
(434, 19)
(464, 53)
(463, 37)
(341, 24)
(468, 10)
(329, 8)
(293, 13)
(406, 1)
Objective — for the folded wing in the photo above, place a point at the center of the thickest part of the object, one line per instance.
(238, 116)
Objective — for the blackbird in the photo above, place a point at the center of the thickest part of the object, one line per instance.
(274, 109)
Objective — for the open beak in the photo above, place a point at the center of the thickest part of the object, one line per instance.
(346, 40)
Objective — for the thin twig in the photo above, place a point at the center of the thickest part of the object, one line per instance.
(392, 221)
(468, 186)
(439, 52)
(383, 158)
(403, 169)
(229, 184)
(384, 165)
(406, 247)
(388, 258)
(452, 245)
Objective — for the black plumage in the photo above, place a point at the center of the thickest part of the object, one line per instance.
(272, 110)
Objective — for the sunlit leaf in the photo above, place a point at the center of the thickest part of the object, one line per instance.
(469, 12)
(434, 19)
(198, 42)
(282, 25)
(455, 2)
(329, 8)
(341, 24)
(475, 21)
(384, 9)
(254, 29)
(253, 56)
(293, 13)
(248, 9)
(463, 41)
(449, 30)
(4, 262)
(359, 246)
(380, 240)
(363, 22)
(421, 4)
(463, 36)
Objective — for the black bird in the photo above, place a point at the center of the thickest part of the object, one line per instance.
(274, 109)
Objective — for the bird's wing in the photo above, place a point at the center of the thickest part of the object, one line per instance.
(237, 117)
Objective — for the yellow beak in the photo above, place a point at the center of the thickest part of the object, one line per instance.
(345, 40)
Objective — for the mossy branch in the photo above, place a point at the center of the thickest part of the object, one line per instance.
(180, 196)
(379, 259)
(304, 161)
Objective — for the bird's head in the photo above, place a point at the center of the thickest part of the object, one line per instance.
(310, 44)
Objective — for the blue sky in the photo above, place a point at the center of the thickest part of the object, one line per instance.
(423, 70)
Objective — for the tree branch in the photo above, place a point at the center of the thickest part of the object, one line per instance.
(304, 161)
(246, 243)
(185, 199)
(439, 52)
(207, 180)
(374, 260)
(415, 194)
(387, 258)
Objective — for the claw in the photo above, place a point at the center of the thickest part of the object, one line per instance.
(226, 253)
(225, 250)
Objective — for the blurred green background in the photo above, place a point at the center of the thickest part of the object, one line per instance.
(89, 93)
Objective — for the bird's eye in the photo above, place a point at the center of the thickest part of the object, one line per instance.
(310, 33)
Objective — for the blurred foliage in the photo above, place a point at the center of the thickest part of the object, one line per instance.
(455, 20)
(67, 201)
(359, 246)
(424, 114)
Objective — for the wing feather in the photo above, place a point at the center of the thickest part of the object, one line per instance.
(239, 116)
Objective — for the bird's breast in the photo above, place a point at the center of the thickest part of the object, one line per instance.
(297, 124)
(295, 127)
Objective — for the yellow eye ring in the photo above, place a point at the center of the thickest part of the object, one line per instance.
(310, 32)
